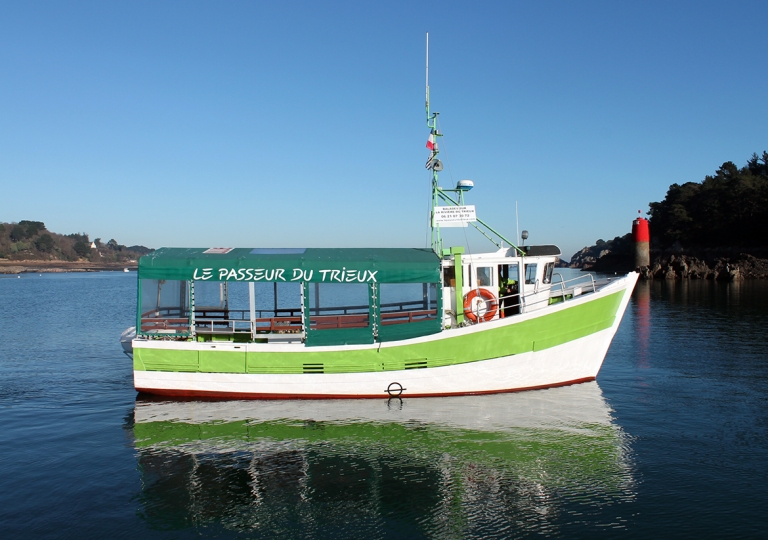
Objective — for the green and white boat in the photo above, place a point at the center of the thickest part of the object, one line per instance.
(368, 323)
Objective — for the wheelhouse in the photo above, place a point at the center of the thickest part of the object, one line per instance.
(492, 286)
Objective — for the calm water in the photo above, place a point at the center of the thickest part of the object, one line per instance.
(672, 440)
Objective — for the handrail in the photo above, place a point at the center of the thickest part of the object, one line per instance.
(222, 314)
(216, 320)
(519, 303)
(523, 299)
(563, 282)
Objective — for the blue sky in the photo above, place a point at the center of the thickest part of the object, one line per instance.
(288, 124)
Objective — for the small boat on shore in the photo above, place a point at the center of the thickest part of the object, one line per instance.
(255, 323)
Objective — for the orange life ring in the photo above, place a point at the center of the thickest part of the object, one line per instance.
(488, 296)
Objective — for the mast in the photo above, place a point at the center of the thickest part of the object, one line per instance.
(438, 194)
(433, 164)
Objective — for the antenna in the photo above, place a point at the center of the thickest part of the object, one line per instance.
(427, 86)
(433, 164)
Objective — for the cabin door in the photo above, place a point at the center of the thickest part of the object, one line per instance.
(509, 289)
(535, 294)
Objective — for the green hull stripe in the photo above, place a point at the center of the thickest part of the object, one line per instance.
(531, 335)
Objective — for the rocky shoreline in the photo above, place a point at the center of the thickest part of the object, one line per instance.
(723, 264)
(41, 267)
(744, 266)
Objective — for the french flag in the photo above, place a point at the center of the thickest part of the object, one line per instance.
(431, 141)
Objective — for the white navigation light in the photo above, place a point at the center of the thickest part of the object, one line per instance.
(465, 185)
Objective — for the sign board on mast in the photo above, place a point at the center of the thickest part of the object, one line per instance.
(454, 216)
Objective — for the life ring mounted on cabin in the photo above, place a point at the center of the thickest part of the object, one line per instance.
(471, 302)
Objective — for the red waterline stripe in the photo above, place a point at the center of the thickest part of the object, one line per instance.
(255, 395)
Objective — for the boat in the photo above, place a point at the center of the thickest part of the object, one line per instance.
(243, 459)
(314, 323)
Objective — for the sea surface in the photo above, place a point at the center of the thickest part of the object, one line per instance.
(670, 441)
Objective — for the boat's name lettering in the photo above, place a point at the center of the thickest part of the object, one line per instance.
(302, 275)
(331, 275)
(205, 273)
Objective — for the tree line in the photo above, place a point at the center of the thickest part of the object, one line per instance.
(31, 240)
(729, 208)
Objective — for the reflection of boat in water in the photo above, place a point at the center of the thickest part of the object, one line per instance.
(244, 463)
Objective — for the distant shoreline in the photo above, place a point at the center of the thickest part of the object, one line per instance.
(24, 267)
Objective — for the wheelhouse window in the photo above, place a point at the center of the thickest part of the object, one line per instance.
(403, 303)
(484, 274)
(530, 274)
(164, 307)
(548, 269)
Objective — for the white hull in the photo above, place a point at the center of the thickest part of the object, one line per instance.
(576, 361)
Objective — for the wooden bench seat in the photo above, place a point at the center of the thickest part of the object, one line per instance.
(403, 317)
(326, 322)
(164, 325)
(272, 325)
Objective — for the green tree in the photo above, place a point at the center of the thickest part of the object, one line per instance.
(79, 237)
(45, 243)
(83, 249)
(18, 233)
(757, 168)
(32, 227)
(19, 246)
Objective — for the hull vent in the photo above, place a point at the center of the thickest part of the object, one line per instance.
(416, 364)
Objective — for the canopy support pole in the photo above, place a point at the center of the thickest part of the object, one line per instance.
(252, 305)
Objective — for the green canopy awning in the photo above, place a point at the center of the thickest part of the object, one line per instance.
(320, 265)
